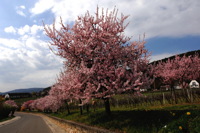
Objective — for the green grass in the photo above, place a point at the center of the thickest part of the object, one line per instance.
(139, 120)
(189, 122)
(22, 100)
(186, 106)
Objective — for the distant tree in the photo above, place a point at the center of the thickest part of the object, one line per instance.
(181, 70)
(12, 104)
(65, 89)
(101, 60)
(27, 105)
(47, 103)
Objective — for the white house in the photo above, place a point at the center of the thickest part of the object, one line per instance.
(194, 84)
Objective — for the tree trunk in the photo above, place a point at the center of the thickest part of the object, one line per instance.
(12, 112)
(94, 105)
(175, 98)
(173, 93)
(107, 106)
(68, 108)
(87, 108)
(81, 107)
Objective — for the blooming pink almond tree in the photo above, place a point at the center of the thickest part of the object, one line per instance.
(59, 94)
(27, 104)
(99, 57)
(195, 67)
(12, 104)
(180, 69)
(188, 70)
(167, 72)
(47, 103)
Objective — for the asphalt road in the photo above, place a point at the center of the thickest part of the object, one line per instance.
(27, 124)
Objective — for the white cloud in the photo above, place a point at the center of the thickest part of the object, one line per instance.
(154, 17)
(48, 77)
(27, 62)
(24, 30)
(20, 9)
(42, 6)
(10, 29)
(10, 43)
(34, 29)
(21, 13)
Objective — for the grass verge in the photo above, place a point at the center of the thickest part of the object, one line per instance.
(174, 118)
(5, 119)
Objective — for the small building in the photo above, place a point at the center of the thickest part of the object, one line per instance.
(194, 84)
(17, 95)
(7, 96)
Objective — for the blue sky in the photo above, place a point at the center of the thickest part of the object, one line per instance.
(171, 27)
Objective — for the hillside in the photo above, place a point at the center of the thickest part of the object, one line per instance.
(190, 53)
(28, 90)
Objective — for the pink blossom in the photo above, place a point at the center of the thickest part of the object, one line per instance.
(100, 60)
(181, 69)
(11, 103)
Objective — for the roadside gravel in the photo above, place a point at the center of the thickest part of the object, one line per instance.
(55, 126)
